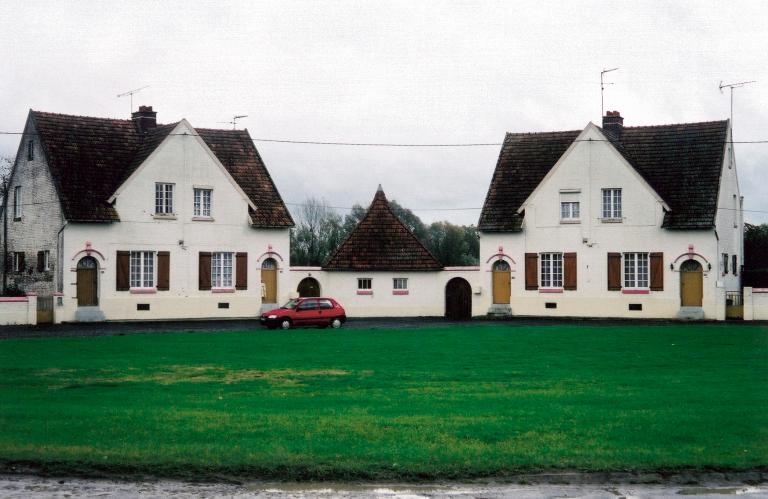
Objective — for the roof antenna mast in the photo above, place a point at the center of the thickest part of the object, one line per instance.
(731, 86)
(602, 89)
(131, 92)
(234, 120)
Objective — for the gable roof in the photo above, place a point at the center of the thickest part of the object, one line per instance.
(89, 158)
(380, 241)
(682, 163)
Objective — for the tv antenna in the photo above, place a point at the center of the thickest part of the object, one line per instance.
(234, 120)
(602, 89)
(731, 86)
(131, 92)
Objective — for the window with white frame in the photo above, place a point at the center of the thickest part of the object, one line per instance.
(202, 206)
(364, 283)
(18, 261)
(163, 198)
(635, 270)
(551, 270)
(221, 270)
(46, 254)
(611, 203)
(142, 269)
(17, 200)
(399, 283)
(569, 206)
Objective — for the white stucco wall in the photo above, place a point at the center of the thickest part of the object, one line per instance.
(18, 310)
(185, 162)
(425, 298)
(729, 223)
(589, 167)
(755, 304)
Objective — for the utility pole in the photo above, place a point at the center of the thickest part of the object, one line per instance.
(602, 89)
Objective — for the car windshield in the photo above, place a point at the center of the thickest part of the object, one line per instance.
(291, 304)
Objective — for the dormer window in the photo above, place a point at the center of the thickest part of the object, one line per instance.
(570, 208)
(611, 205)
(163, 199)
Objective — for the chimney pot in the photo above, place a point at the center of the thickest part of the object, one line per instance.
(144, 119)
(613, 124)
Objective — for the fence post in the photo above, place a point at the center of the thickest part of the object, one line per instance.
(749, 311)
(32, 309)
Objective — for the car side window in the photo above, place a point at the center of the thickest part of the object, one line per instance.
(326, 304)
(308, 305)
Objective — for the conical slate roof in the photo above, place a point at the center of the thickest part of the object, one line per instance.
(381, 242)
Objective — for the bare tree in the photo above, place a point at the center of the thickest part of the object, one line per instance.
(317, 234)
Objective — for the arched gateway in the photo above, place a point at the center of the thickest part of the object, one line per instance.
(458, 299)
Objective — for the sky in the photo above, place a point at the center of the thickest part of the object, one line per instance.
(393, 72)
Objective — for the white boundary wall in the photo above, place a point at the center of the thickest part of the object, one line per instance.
(756, 304)
(18, 310)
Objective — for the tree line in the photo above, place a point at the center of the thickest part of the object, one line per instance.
(320, 229)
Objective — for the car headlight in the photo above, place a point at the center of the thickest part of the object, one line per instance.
(272, 317)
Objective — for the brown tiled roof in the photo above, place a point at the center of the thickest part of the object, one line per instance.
(682, 163)
(381, 242)
(89, 158)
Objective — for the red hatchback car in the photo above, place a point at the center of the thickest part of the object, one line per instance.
(321, 312)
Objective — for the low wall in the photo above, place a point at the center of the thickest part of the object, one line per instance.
(18, 310)
(755, 304)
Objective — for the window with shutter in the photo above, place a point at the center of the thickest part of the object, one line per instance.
(531, 271)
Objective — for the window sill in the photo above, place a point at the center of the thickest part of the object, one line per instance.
(142, 291)
(365, 291)
(636, 291)
(550, 290)
(202, 219)
(611, 220)
(222, 290)
(399, 291)
(162, 216)
(570, 221)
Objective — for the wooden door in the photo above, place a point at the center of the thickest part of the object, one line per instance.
(269, 281)
(45, 309)
(458, 299)
(691, 284)
(308, 287)
(502, 282)
(87, 287)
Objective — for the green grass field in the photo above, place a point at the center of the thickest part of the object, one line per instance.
(479, 400)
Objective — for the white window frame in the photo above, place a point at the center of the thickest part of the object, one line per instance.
(202, 202)
(570, 211)
(636, 270)
(222, 270)
(164, 198)
(141, 269)
(46, 260)
(364, 283)
(551, 270)
(400, 283)
(18, 197)
(16, 267)
(611, 204)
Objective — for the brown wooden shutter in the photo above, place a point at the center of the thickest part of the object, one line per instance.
(241, 269)
(204, 271)
(657, 271)
(40, 261)
(163, 270)
(569, 271)
(122, 279)
(614, 271)
(531, 271)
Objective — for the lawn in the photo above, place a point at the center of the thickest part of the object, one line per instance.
(478, 400)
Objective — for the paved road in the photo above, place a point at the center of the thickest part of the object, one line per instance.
(122, 328)
(33, 487)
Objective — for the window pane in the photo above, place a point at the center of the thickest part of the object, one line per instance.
(557, 270)
(135, 269)
(616, 203)
(196, 209)
(575, 210)
(629, 270)
(642, 270)
(206, 202)
(227, 270)
(546, 270)
(216, 270)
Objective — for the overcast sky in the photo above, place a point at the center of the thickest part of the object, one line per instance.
(404, 72)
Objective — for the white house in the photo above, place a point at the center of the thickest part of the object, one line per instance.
(128, 219)
(382, 270)
(613, 222)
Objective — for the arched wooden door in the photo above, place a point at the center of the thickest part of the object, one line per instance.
(269, 281)
(502, 282)
(87, 282)
(691, 284)
(308, 287)
(458, 299)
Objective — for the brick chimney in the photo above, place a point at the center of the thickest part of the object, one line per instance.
(144, 119)
(613, 123)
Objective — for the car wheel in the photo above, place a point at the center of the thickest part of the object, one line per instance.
(285, 324)
(336, 323)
